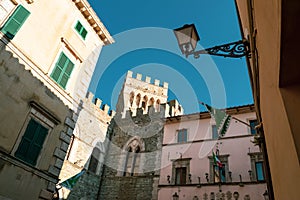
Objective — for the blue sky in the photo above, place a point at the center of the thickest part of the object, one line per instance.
(145, 43)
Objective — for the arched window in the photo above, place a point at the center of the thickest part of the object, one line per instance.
(131, 98)
(132, 158)
(157, 105)
(151, 101)
(138, 100)
(144, 102)
(96, 159)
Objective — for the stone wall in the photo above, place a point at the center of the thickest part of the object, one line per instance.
(124, 188)
(147, 129)
(86, 188)
(89, 133)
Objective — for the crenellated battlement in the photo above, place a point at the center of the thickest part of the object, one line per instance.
(96, 107)
(139, 77)
(137, 93)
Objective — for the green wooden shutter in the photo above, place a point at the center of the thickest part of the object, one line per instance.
(62, 70)
(26, 140)
(32, 142)
(81, 30)
(15, 21)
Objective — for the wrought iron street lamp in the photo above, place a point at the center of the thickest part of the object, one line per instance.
(236, 195)
(175, 196)
(266, 195)
(187, 38)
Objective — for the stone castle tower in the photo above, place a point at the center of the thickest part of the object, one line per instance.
(134, 140)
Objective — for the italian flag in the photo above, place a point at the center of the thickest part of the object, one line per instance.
(221, 118)
(217, 161)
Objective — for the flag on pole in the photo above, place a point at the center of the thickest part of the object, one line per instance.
(69, 183)
(217, 161)
(221, 118)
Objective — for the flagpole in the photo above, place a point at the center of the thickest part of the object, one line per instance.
(231, 116)
(240, 121)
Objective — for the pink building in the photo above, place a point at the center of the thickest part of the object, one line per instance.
(188, 170)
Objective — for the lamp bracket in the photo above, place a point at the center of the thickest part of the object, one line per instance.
(236, 49)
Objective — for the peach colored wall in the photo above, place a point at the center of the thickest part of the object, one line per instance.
(278, 105)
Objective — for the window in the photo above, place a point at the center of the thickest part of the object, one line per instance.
(15, 21)
(259, 171)
(214, 131)
(132, 158)
(94, 160)
(219, 173)
(180, 171)
(62, 71)
(97, 158)
(180, 178)
(253, 123)
(182, 135)
(257, 168)
(81, 30)
(32, 142)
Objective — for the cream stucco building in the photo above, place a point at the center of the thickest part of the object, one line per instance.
(49, 50)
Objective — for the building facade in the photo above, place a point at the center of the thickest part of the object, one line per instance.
(274, 74)
(49, 51)
(188, 169)
(86, 150)
(134, 139)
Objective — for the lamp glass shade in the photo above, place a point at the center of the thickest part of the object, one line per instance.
(187, 38)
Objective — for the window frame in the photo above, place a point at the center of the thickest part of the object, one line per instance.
(214, 135)
(84, 38)
(10, 18)
(55, 64)
(252, 129)
(256, 157)
(224, 160)
(262, 171)
(184, 139)
(180, 163)
(44, 120)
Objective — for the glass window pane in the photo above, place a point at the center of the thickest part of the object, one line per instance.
(259, 171)
(214, 132)
(253, 123)
(182, 135)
